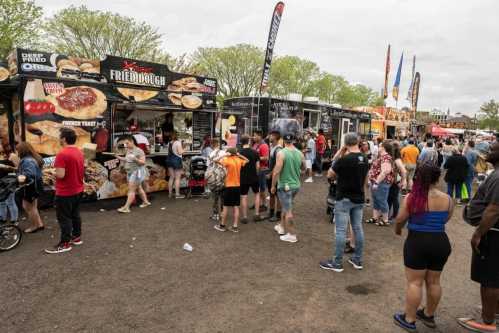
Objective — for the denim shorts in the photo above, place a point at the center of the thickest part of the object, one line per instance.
(286, 199)
(262, 179)
(380, 197)
(137, 176)
(174, 162)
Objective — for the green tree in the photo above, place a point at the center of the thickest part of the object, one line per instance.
(290, 74)
(359, 95)
(330, 87)
(81, 32)
(237, 68)
(19, 22)
(489, 115)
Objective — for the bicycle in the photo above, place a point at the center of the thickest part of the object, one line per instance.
(10, 234)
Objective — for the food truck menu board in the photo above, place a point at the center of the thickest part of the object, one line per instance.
(202, 121)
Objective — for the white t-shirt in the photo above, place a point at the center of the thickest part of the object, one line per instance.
(176, 146)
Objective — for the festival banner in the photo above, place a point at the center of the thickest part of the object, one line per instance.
(415, 92)
(274, 28)
(396, 85)
(387, 73)
(409, 93)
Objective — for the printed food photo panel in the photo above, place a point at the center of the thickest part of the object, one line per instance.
(51, 105)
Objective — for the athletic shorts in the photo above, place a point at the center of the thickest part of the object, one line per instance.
(137, 176)
(232, 197)
(308, 164)
(485, 266)
(255, 187)
(286, 199)
(426, 250)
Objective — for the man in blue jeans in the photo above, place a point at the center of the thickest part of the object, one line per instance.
(350, 171)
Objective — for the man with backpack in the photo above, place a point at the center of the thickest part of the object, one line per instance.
(215, 178)
(483, 212)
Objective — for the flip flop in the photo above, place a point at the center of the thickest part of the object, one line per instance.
(33, 231)
(476, 326)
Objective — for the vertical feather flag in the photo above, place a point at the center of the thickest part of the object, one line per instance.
(409, 93)
(415, 92)
(387, 72)
(274, 27)
(396, 85)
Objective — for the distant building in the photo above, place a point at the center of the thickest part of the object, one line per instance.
(462, 121)
(439, 116)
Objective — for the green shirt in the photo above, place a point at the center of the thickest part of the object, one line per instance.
(291, 169)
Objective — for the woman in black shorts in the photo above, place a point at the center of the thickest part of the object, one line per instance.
(30, 171)
(427, 247)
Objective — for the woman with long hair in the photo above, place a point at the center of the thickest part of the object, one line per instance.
(400, 181)
(381, 177)
(427, 247)
(30, 173)
(175, 166)
(135, 161)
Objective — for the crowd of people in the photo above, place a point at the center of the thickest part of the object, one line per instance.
(397, 179)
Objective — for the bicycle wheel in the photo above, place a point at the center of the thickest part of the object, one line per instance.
(10, 237)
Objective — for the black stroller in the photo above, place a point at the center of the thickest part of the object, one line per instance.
(197, 179)
(331, 200)
(10, 234)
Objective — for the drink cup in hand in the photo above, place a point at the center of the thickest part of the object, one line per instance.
(21, 178)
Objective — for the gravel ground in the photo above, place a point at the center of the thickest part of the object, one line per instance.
(131, 275)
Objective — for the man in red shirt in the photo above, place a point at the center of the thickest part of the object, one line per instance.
(70, 170)
(320, 148)
(263, 151)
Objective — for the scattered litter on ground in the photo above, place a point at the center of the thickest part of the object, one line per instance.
(188, 247)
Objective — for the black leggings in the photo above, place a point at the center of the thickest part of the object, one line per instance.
(393, 199)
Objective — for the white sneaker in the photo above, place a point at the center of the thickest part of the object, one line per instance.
(279, 229)
(309, 180)
(289, 238)
(318, 175)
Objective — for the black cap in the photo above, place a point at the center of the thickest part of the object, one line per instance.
(289, 137)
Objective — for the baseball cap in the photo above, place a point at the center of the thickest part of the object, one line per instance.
(288, 137)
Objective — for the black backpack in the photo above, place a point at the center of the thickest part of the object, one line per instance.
(8, 185)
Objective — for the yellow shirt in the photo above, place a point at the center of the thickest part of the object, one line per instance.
(410, 154)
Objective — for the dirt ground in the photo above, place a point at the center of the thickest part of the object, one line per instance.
(131, 275)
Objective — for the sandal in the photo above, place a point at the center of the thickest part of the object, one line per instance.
(372, 220)
(34, 230)
(382, 223)
(476, 326)
(123, 210)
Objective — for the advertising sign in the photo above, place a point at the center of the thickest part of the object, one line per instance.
(134, 72)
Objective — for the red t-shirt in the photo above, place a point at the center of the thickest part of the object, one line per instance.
(320, 144)
(71, 159)
(263, 151)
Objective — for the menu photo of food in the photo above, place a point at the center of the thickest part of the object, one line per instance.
(4, 72)
(78, 102)
(139, 95)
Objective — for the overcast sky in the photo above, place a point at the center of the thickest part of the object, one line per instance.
(456, 42)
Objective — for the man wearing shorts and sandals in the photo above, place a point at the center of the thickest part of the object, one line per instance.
(286, 183)
(232, 192)
(249, 179)
(485, 248)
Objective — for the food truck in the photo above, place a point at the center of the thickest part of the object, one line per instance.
(290, 116)
(103, 100)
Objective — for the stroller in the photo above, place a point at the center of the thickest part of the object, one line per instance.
(10, 234)
(197, 180)
(331, 200)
